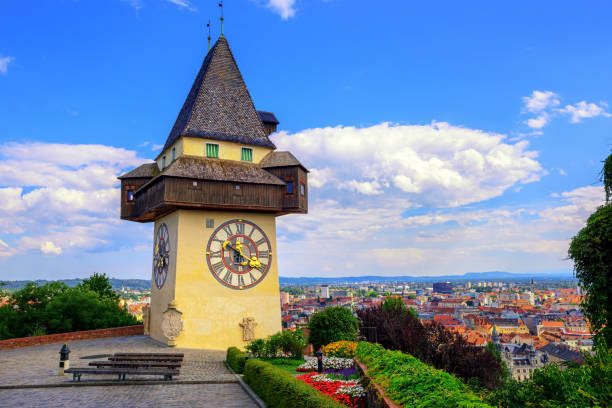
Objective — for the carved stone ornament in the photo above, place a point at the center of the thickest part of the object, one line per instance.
(248, 328)
(172, 323)
(146, 319)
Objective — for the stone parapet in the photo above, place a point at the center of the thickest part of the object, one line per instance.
(72, 336)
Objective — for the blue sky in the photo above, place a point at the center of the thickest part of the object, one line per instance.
(443, 138)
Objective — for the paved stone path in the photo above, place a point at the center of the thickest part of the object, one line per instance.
(38, 366)
(171, 395)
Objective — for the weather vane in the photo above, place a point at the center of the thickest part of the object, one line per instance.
(221, 5)
(208, 26)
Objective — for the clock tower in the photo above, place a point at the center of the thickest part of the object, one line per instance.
(214, 193)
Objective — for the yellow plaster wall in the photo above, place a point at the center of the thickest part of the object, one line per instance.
(197, 147)
(178, 145)
(211, 311)
(161, 297)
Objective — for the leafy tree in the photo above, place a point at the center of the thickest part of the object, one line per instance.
(56, 308)
(394, 303)
(372, 294)
(332, 324)
(590, 251)
(100, 284)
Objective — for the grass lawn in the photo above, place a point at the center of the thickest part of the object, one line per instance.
(287, 364)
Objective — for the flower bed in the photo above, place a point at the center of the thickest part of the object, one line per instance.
(347, 392)
(329, 363)
(342, 348)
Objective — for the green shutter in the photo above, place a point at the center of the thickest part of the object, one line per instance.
(212, 150)
(247, 154)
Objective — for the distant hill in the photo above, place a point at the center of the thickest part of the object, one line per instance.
(471, 276)
(117, 284)
(142, 285)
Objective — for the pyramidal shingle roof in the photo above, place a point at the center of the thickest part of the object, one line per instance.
(219, 105)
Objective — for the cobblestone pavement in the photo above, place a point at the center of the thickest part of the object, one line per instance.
(167, 395)
(38, 365)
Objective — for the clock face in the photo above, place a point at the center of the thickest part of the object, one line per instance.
(161, 255)
(239, 254)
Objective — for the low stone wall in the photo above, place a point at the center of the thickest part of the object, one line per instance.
(63, 337)
(374, 394)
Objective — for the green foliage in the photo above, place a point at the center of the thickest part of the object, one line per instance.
(589, 385)
(590, 251)
(100, 284)
(409, 382)
(372, 294)
(236, 359)
(279, 389)
(491, 348)
(332, 324)
(393, 303)
(56, 308)
(288, 343)
(257, 348)
(606, 177)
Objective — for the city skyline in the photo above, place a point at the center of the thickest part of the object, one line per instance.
(434, 149)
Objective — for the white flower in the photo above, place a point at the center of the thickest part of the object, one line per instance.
(355, 391)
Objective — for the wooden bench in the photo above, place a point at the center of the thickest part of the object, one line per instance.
(136, 364)
(144, 358)
(121, 372)
(181, 355)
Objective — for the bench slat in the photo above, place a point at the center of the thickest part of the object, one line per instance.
(150, 354)
(143, 358)
(168, 364)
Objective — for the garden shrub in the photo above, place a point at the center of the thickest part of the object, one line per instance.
(342, 348)
(288, 343)
(410, 382)
(236, 359)
(398, 329)
(279, 389)
(332, 324)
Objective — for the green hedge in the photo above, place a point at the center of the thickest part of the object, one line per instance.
(279, 389)
(236, 359)
(412, 383)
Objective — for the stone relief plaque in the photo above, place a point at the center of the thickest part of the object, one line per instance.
(172, 323)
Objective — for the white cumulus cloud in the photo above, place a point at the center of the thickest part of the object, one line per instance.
(284, 8)
(583, 110)
(58, 196)
(49, 247)
(437, 164)
(4, 61)
(540, 100)
(544, 104)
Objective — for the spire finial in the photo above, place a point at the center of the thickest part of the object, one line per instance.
(221, 5)
(208, 26)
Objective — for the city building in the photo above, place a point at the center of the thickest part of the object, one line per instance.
(443, 287)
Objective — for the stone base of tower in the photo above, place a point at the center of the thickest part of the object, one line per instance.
(192, 309)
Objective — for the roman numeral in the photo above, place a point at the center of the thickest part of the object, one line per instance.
(228, 230)
(239, 228)
(228, 277)
(260, 242)
(217, 240)
(218, 267)
(252, 231)
(264, 255)
(215, 254)
(240, 280)
(263, 268)
(252, 277)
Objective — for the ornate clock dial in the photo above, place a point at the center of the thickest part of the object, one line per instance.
(161, 255)
(239, 254)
